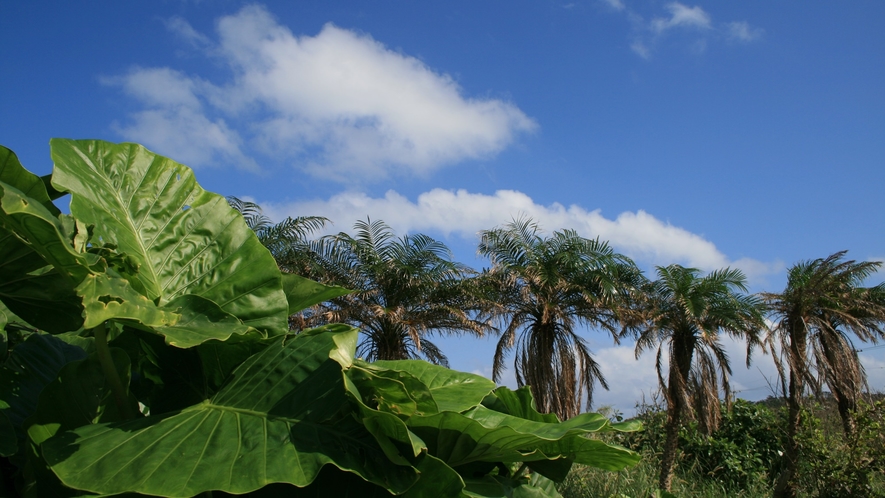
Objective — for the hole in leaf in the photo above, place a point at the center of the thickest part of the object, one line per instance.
(185, 208)
(177, 177)
(110, 299)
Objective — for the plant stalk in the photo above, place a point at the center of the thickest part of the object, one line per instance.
(110, 372)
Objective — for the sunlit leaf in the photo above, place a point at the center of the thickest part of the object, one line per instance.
(452, 390)
(183, 239)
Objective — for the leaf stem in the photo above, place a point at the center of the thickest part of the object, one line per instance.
(110, 371)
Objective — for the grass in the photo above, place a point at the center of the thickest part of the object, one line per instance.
(641, 481)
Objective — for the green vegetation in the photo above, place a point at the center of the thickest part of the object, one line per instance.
(540, 289)
(685, 313)
(403, 288)
(823, 303)
(147, 351)
(162, 340)
(742, 457)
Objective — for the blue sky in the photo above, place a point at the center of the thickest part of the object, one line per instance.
(749, 134)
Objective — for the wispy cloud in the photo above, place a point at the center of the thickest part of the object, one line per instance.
(682, 17)
(743, 32)
(340, 105)
(692, 21)
(185, 31)
(639, 234)
(615, 4)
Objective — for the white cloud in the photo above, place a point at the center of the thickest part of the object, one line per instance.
(641, 49)
(158, 87)
(640, 235)
(682, 17)
(742, 32)
(692, 21)
(183, 29)
(339, 104)
(174, 122)
(629, 379)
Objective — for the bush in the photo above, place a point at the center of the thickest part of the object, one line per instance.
(746, 448)
(744, 451)
(834, 466)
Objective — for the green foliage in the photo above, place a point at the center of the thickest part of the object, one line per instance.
(834, 466)
(743, 457)
(146, 351)
(744, 452)
(404, 289)
(540, 289)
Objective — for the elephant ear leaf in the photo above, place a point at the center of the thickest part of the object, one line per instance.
(452, 390)
(30, 367)
(519, 403)
(39, 263)
(184, 322)
(303, 293)
(282, 416)
(183, 239)
(13, 173)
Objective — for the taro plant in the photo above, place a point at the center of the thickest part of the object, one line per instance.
(146, 351)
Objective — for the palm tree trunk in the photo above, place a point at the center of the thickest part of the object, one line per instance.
(675, 407)
(846, 411)
(668, 458)
(786, 486)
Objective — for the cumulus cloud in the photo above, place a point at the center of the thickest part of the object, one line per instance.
(339, 104)
(640, 235)
(174, 122)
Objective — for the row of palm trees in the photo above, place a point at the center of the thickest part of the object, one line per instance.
(540, 292)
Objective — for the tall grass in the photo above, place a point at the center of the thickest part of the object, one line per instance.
(641, 481)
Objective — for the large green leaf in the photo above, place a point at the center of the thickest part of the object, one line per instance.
(484, 435)
(219, 358)
(184, 239)
(303, 293)
(32, 238)
(390, 390)
(44, 298)
(519, 403)
(45, 233)
(381, 400)
(13, 173)
(185, 321)
(452, 390)
(394, 394)
(79, 396)
(282, 416)
(536, 486)
(32, 365)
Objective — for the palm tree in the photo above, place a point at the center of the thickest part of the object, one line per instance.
(540, 289)
(286, 240)
(821, 305)
(405, 287)
(685, 314)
